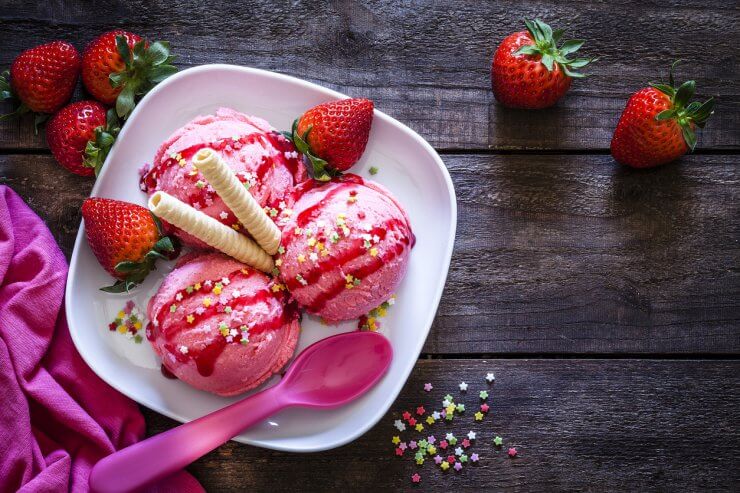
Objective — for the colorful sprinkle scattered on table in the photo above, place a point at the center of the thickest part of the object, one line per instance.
(450, 452)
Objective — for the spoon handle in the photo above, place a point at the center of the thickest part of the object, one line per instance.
(161, 455)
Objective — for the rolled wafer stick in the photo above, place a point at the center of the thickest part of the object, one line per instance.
(238, 199)
(210, 231)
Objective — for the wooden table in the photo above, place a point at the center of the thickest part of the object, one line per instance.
(606, 300)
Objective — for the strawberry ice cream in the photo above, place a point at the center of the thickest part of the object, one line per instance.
(346, 247)
(221, 326)
(264, 160)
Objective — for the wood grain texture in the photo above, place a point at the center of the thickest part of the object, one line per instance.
(554, 254)
(425, 63)
(577, 425)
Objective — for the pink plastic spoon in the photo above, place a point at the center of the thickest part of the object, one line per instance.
(329, 373)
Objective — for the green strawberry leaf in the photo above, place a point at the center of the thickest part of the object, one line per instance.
(546, 45)
(161, 72)
(125, 102)
(571, 46)
(164, 245)
(665, 115)
(119, 287)
(689, 136)
(123, 49)
(684, 93)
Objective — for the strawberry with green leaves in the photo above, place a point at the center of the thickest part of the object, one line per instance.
(119, 66)
(659, 123)
(529, 69)
(126, 239)
(41, 79)
(333, 135)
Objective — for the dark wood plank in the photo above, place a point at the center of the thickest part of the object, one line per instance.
(599, 425)
(426, 63)
(554, 254)
(561, 254)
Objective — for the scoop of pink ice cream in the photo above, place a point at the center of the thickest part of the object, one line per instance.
(262, 159)
(221, 326)
(346, 245)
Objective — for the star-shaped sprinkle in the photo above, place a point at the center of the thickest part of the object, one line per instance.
(399, 424)
(402, 445)
(412, 422)
(446, 403)
(415, 478)
(498, 441)
(471, 435)
(428, 387)
(490, 377)
(512, 452)
(474, 457)
(431, 439)
(436, 415)
(465, 443)
(451, 459)
(399, 451)
(444, 466)
(422, 444)
(458, 451)
(443, 444)
(396, 440)
(460, 408)
(449, 436)
(444, 413)
(438, 460)
(457, 466)
(430, 420)
(484, 407)
(448, 397)
(419, 427)
(479, 416)
(406, 415)
(450, 409)
(453, 441)
(420, 410)
(412, 445)
(463, 386)
(431, 450)
(483, 394)
(419, 456)
(463, 458)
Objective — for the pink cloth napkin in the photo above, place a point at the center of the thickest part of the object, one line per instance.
(57, 418)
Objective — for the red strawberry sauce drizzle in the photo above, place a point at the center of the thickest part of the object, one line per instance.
(274, 139)
(206, 356)
(354, 251)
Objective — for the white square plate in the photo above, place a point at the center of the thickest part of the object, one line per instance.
(408, 166)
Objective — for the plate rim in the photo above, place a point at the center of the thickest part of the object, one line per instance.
(390, 398)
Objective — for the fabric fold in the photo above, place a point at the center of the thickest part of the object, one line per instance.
(58, 418)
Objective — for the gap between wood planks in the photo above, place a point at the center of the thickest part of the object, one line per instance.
(458, 152)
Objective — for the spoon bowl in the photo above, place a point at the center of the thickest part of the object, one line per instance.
(334, 371)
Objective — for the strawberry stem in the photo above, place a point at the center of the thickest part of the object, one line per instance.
(687, 114)
(98, 148)
(146, 66)
(320, 169)
(546, 46)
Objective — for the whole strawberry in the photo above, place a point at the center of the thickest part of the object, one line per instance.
(333, 135)
(658, 124)
(69, 131)
(531, 71)
(119, 66)
(42, 78)
(126, 239)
